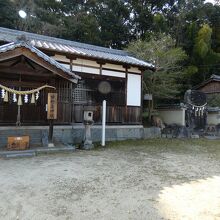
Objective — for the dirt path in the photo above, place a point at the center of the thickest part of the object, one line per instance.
(171, 180)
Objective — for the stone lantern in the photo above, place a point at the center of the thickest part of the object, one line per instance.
(88, 122)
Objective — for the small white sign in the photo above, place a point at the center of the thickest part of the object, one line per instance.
(148, 97)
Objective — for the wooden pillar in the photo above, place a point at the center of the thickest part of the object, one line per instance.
(51, 115)
(18, 122)
(71, 64)
(50, 136)
(100, 69)
(126, 91)
(141, 112)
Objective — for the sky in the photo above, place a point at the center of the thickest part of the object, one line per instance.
(212, 1)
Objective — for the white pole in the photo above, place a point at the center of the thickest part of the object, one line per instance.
(103, 121)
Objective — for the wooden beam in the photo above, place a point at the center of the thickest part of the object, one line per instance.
(71, 65)
(100, 71)
(126, 66)
(30, 64)
(49, 53)
(21, 84)
(16, 62)
(40, 61)
(101, 62)
(100, 77)
(11, 54)
(71, 57)
(24, 71)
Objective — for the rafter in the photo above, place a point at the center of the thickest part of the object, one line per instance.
(24, 71)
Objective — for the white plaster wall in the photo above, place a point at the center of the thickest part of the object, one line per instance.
(84, 69)
(134, 70)
(213, 118)
(113, 73)
(113, 66)
(174, 116)
(134, 90)
(96, 70)
(86, 62)
(66, 65)
(61, 58)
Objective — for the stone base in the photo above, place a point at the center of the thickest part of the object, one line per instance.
(51, 145)
(74, 134)
(87, 145)
(194, 136)
(36, 151)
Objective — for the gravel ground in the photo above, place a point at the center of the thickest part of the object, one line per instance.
(152, 179)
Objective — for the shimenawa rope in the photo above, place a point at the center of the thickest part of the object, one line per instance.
(28, 92)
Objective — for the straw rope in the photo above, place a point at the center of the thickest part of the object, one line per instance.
(25, 92)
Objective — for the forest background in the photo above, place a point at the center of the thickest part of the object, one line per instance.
(182, 38)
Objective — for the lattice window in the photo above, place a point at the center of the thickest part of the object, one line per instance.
(82, 93)
(87, 90)
(65, 91)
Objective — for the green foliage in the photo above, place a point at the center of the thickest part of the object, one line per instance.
(192, 25)
(203, 54)
(83, 28)
(8, 15)
(112, 17)
(203, 42)
(161, 50)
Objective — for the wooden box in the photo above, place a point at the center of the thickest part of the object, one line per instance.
(18, 143)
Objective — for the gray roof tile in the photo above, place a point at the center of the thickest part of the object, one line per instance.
(72, 47)
(14, 45)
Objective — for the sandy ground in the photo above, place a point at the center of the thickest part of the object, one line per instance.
(161, 179)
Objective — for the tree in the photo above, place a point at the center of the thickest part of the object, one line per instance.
(82, 27)
(113, 20)
(203, 55)
(8, 15)
(80, 23)
(193, 24)
(199, 37)
(146, 17)
(165, 82)
(46, 17)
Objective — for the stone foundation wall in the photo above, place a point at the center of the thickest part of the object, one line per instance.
(74, 134)
(113, 133)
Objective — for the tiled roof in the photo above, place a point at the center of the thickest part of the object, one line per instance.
(72, 47)
(14, 45)
(213, 77)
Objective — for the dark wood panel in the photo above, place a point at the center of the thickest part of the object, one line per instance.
(78, 113)
(114, 114)
(64, 113)
(33, 113)
(65, 101)
(133, 115)
(8, 113)
(212, 87)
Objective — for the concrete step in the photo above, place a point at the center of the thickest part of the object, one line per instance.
(35, 152)
(55, 149)
(20, 155)
(16, 151)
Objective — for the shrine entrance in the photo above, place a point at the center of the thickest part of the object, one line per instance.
(26, 77)
(29, 109)
(196, 113)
